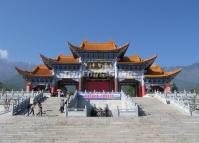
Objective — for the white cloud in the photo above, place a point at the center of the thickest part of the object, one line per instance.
(3, 54)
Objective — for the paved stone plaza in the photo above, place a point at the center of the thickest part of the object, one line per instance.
(161, 123)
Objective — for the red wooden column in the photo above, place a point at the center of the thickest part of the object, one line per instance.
(52, 89)
(116, 78)
(167, 88)
(142, 88)
(116, 84)
(80, 84)
(29, 87)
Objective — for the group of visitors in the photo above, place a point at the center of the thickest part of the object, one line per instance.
(99, 112)
(32, 109)
(35, 108)
(63, 103)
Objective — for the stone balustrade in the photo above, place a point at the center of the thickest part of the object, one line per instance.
(128, 106)
(17, 102)
(23, 103)
(72, 109)
(185, 101)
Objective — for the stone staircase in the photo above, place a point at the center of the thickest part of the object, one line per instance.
(156, 109)
(50, 107)
(161, 124)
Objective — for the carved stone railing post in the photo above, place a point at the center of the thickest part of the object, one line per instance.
(118, 112)
(85, 110)
(12, 109)
(66, 110)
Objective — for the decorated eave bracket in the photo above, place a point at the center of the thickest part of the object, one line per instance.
(68, 67)
(156, 80)
(39, 79)
(98, 56)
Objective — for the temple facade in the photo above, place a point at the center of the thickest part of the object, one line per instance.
(100, 67)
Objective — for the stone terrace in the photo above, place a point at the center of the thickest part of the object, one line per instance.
(161, 123)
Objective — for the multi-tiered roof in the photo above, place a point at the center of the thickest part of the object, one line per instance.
(151, 71)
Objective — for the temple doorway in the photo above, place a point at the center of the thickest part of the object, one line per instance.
(67, 85)
(130, 87)
(39, 87)
(98, 85)
(154, 88)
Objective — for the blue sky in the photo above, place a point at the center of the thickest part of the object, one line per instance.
(168, 28)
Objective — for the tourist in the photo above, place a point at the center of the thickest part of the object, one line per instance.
(94, 111)
(62, 94)
(100, 112)
(28, 108)
(62, 106)
(32, 109)
(68, 97)
(66, 102)
(59, 92)
(40, 109)
(106, 110)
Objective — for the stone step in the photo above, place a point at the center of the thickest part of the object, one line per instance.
(51, 107)
(162, 123)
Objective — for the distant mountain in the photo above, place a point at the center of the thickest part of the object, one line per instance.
(8, 75)
(188, 78)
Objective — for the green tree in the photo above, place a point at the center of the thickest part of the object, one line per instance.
(129, 90)
(196, 89)
(174, 87)
(3, 86)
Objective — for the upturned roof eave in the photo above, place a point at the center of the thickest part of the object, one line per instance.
(148, 61)
(27, 74)
(170, 74)
(49, 62)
